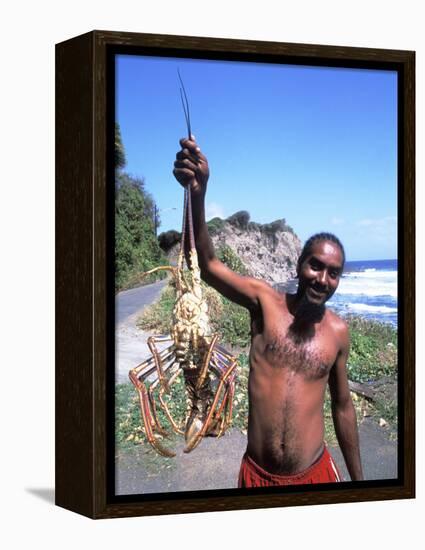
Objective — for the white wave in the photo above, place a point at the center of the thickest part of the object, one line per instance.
(372, 274)
(372, 285)
(365, 308)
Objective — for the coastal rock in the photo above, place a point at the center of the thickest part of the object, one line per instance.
(268, 251)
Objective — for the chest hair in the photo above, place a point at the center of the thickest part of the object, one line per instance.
(302, 357)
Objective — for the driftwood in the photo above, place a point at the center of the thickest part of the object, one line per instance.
(362, 389)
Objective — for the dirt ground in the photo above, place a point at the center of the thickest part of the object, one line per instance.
(214, 464)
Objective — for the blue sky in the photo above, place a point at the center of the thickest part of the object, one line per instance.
(314, 145)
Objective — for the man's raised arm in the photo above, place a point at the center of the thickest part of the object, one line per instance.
(191, 169)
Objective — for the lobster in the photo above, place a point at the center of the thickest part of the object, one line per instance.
(209, 370)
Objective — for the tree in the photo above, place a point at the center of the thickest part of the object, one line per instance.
(136, 247)
(168, 239)
(120, 160)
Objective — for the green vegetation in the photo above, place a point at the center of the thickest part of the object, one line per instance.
(373, 350)
(120, 160)
(128, 423)
(386, 409)
(168, 239)
(233, 325)
(215, 226)
(136, 246)
(277, 225)
(239, 219)
(157, 317)
(231, 259)
(373, 356)
(240, 401)
(129, 428)
(359, 406)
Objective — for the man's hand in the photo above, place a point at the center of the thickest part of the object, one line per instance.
(191, 167)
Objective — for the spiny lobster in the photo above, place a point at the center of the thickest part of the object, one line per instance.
(209, 370)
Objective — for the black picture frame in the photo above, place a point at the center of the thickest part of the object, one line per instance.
(84, 273)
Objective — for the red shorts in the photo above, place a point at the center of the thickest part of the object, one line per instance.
(323, 470)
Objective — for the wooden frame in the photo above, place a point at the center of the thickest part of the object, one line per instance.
(83, 275)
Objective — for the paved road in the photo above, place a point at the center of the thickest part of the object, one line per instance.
(129, 302)
(131, 347)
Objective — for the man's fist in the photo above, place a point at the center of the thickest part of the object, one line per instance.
(191, 166)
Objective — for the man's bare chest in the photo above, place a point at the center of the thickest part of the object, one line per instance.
(310, 355)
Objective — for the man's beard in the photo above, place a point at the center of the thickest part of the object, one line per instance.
(309, 312)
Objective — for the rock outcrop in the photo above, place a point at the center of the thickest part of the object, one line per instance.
(267, 255)
(268, 251)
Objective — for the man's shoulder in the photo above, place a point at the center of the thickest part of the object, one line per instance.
(337, 324)
(266, 288)
(268, 294)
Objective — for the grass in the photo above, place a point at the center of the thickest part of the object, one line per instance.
(129, 428)
(156, 318)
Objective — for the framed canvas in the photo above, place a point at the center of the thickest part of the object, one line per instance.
(300, 139)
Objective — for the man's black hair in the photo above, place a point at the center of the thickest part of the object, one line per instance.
(320, 237)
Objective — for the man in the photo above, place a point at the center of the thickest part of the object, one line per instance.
(297, 348)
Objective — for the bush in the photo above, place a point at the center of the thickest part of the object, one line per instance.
(273, 227)
(234, 324)
(215, 226)
(373, 350)
(254, 226)
(239, 219)
(226, 255)
(157, 317)
(277, 225)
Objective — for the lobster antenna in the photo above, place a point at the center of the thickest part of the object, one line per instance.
(187, 211)
(185, 103)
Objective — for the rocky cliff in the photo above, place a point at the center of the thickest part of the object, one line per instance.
(268, 251)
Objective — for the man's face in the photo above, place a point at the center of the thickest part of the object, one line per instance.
(320, 272)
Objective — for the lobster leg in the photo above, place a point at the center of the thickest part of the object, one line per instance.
(204, 370)
(138, 376)
(226, 406)
(148, 419)
(152, 341)
(162, 431)
(164, 404)
(226, 376)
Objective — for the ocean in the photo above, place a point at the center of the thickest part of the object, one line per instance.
(367, 288)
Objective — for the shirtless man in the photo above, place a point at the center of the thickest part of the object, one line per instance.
(297, 348)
